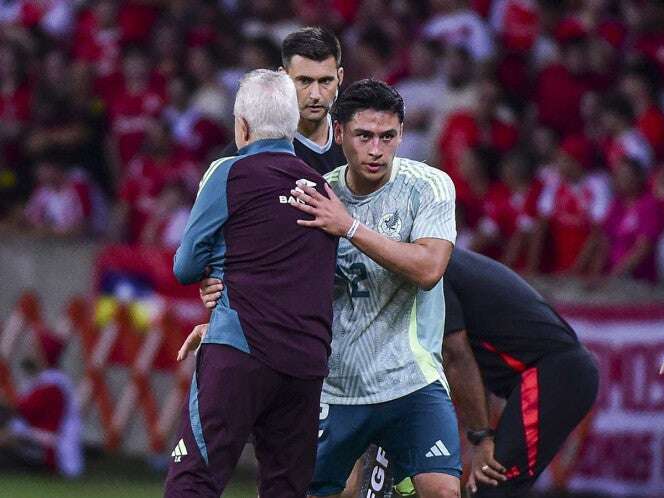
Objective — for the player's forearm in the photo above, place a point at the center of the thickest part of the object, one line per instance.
(415, 262)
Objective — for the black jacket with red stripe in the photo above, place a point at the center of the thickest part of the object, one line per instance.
(509, 324)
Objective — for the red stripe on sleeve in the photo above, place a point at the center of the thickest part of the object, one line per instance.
(530, 414)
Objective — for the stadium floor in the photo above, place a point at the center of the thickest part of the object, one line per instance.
(31, 486)
(106, 476)
(118, 476)
(39, 486)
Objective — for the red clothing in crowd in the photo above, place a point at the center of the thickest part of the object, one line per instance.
(514, 211)
(97, 46)
(479, 208)
(194, 133)
(501, 212)
(517, 23)
(14, 107)
(651, 124)
(558, 97)
(144, 182)
(136, 20)
(130, 116)
(626, 223)
(462, 131)
(572, 210)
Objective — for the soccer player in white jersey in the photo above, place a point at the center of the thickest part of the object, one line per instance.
(386, 384)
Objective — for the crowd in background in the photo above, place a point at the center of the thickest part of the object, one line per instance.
(546, 114)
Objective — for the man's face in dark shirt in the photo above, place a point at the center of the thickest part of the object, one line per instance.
(316, 83)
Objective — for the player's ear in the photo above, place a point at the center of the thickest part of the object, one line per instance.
(338, 132)
(340, 75)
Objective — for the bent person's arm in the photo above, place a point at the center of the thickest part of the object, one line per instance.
(465, 380)
(471, 401)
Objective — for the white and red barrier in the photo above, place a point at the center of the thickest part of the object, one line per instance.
(618, 450)
(113, 345)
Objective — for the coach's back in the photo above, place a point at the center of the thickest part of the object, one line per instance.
(277, 302)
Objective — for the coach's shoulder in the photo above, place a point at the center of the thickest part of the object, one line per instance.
(426, 178)
(217, 168)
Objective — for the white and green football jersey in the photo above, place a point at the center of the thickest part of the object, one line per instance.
(387, 333)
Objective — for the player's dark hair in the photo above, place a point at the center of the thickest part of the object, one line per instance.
(313, 43)
(367, 94)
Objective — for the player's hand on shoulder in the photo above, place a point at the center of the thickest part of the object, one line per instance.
(210, 290)
(192, 341)
(329, 212)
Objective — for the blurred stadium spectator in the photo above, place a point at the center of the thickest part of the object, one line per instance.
(82, 84)
(573, 204)
(55, 207)
(632, 227)
(43, 430)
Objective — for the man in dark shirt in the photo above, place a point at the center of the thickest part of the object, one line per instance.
(500, 333)
(526, 354)
(312, 59)
(263, 359)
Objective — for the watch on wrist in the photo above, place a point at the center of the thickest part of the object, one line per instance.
(476, 437)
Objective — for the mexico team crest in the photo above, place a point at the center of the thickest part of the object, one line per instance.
(390, 225)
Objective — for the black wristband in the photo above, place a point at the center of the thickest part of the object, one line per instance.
(476, 437)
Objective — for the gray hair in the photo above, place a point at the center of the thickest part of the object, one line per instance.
(267, 100)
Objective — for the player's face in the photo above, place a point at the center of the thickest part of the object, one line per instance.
(316, 83)
(370, 141)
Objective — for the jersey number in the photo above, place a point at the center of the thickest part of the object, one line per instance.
(359, 273)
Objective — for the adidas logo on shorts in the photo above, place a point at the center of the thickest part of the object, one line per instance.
(438, 449)
(179, 451)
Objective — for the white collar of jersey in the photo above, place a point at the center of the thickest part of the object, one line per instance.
(310, 144)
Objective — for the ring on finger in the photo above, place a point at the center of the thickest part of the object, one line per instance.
(485, 468)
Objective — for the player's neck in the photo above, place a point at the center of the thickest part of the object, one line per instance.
(360, 186)
(316, 131)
